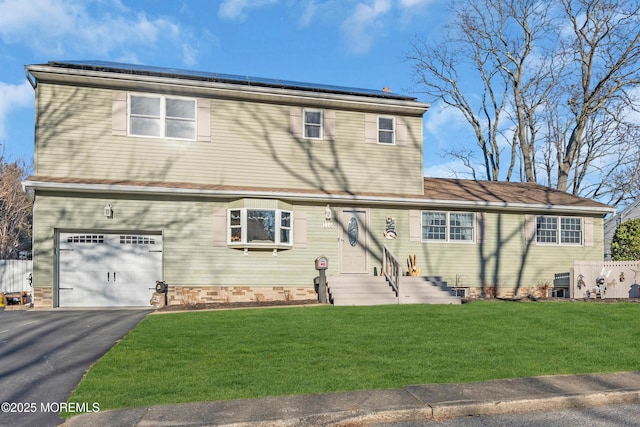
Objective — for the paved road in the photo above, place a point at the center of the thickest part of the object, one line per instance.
(626, 415)
(44, 354)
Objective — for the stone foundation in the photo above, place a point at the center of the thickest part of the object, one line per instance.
(191, 295)
(508, 293)
(42, 297)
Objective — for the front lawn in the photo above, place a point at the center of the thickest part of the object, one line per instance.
(217, 355)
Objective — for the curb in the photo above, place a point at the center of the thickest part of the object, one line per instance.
(411, 403)
(446, 411)
(457, 409)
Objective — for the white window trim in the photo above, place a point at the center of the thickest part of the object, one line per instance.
(558, 241)
(163, 118)
(304, 123)
(243, 227)
(393, 131)
(448, 228)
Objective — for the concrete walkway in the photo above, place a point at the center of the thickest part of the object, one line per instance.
(410, 403)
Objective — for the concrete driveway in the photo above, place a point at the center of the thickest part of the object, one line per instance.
(44, 354)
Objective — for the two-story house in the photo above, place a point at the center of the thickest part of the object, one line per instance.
(228, 188)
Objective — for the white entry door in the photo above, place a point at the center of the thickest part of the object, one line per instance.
(353, 242)
(108, 270)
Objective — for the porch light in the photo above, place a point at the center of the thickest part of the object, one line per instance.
(328, 216)
(108, 211)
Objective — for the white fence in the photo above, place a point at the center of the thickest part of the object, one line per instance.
(608, 279)
(15, 275)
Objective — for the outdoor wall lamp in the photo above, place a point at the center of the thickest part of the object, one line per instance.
(328, 216)
(108, 211)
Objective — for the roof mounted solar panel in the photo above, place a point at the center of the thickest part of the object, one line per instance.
(147, 70)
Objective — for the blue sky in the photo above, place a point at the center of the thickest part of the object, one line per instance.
(359, 43)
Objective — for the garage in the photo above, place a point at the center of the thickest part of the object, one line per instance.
(108, 269)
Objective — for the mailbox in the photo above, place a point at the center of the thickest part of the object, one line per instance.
(322, 263)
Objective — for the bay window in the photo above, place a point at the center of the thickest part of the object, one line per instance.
(259, 227)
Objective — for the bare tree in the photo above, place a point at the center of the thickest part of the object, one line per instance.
(15, 210)
(521, 48)
(436, 70)
(605, 48)
(502, 44)
(558, 78)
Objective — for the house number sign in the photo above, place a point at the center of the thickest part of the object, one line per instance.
(352, 231)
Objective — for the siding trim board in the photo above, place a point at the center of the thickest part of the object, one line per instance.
(220, 191)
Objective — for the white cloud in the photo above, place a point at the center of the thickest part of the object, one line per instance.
(451, 169)
(364, 22)
(414, 3)
(308, 13)
(59, 28)
(13, 97)
(442, 121)
(236, 10)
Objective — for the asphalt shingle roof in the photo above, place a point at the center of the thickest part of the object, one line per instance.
(506, 192)
(435, 189)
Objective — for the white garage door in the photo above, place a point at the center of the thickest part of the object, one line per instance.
(107, 270)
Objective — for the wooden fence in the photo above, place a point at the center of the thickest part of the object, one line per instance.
(15, 275)
(605, 279)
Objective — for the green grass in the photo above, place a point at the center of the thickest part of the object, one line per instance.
(218, 355)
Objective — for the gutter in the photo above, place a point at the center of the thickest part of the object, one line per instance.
(310, 197)
(292, 95)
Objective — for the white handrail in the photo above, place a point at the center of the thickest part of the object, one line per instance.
(391, 269)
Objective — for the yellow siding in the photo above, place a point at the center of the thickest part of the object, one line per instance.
(250, 146)
(502, 259)
(190, 257)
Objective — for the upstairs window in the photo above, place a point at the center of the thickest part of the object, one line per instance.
(386, 130)
(313, 124)
(162, 117)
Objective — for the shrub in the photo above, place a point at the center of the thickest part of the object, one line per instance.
(625, 245)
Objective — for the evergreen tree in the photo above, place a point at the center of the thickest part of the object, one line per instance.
(625, 245)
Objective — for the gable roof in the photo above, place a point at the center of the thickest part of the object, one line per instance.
(438, 193)
(205, 76)
(503, 192)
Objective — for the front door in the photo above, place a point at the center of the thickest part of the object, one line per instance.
(354, 242)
